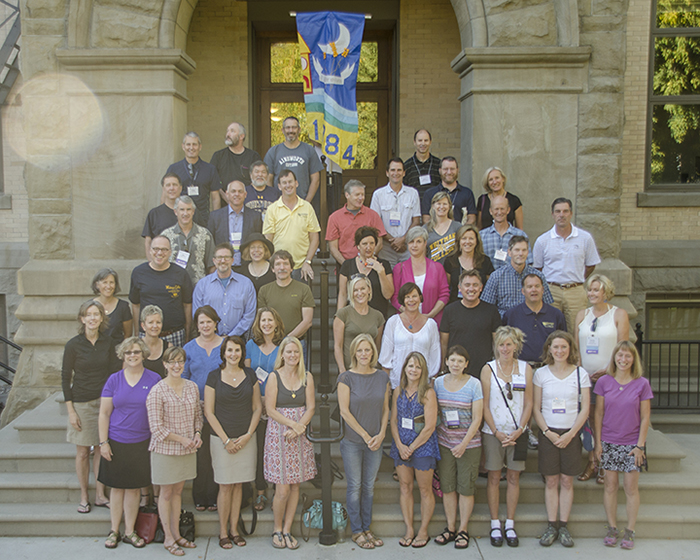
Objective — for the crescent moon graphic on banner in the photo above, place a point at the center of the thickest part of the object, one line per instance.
(340, 44)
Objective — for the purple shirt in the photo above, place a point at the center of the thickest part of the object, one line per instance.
(622, 416)
(129, 420)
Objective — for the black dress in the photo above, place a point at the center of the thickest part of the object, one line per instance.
(484, 205)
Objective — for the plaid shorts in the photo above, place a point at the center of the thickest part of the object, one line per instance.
(176, 338)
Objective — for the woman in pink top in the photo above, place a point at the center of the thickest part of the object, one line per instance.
(428, 275)
(622, 417)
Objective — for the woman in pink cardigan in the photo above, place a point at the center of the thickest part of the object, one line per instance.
(427, 274)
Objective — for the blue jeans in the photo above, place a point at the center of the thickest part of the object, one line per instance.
(361, 467)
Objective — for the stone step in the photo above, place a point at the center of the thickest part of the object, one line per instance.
(37, 457)
(586, 520)
(676, 423)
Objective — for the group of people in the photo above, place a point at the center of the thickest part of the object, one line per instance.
(450, 331)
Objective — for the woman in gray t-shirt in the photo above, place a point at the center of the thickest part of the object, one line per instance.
(363, 397)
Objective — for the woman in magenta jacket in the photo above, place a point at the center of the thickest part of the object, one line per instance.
(427, 274)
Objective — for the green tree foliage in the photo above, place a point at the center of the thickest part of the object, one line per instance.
(676, 73)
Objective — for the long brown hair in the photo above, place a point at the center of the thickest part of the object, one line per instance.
(547, 357)
(257, 334)
(478, 248)
(423, 382)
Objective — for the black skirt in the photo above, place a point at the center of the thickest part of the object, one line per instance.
(129, 468)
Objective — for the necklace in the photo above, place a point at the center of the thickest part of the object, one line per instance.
(503, 373)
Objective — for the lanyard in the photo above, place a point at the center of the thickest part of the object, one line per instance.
(196, 172)
(430, 167)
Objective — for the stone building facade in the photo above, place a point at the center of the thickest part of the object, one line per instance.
(552, 91)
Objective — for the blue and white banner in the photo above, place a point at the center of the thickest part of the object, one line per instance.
(330, 44)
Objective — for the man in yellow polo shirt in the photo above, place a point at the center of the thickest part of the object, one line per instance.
(291, 224)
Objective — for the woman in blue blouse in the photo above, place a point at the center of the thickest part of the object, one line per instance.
(261, 353)
(203, 356)
(415, 448)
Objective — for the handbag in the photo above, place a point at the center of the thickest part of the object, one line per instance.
(586, 433)
(520, 450)
(186, 528)
(312, 516)
(147, 522)
(437, 489)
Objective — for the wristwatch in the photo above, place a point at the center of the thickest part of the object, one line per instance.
(307, 261)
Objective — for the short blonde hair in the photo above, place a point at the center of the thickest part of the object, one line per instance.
(504, 333)
(127, 343)
(637, 368)
(354, 279)
(485, 180)
(363, 337)
(605, 283)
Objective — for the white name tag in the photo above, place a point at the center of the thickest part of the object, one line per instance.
(394, 218)
(424, 179)
(519, 382)
(236, 239)
(182, 258)
(592, 344)
(500, 255)
(452, 418)
(193, 191)
(262, 374)
(407, 423)
(558, 406)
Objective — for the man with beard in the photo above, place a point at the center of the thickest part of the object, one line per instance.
(234, 162)
(259, 195)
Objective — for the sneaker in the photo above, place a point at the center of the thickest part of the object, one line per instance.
(611, 538)
(627, 540)
(565, 537)
(532, 442)
(549, 536)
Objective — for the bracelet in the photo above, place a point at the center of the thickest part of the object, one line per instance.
(198, 432)
(642, 448)
(103, 442)
(547, 430)
(227, 442)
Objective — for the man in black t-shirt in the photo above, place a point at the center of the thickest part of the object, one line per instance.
(234, 163)
(470, 323)
(162, 217)
(166, 285)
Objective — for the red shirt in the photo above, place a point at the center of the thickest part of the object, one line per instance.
(342, 225)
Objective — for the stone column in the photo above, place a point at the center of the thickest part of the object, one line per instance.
(90, 189)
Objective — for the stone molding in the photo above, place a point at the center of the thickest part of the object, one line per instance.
(660, 254)
(676, 199)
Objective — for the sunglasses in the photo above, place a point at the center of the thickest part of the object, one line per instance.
(509, 388)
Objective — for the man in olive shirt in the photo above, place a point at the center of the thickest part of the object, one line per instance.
(292, 299)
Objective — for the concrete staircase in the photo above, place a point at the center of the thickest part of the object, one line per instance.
(39, 491)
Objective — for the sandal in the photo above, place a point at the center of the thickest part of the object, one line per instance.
(102, 504)
(361, 540)
(112, 539)
(290, 541)
(134, 540)
(589, 472)
(259, 503)
(213, 508)
(200, 507)
(84, 508)
(600, 479)
(225, 543)
(404, 542)
(184, 543)
(174, 549)
(280, 540)
(420, 543)
(462, 540)
(445, 537)
(144, 500)
(237, 540)
(374, 540)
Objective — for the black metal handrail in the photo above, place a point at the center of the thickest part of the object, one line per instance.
(673, 370)
(8, 367)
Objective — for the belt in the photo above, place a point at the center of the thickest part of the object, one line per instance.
(567, 286)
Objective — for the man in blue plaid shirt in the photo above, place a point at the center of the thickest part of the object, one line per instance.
(504, 287)
(496, 237)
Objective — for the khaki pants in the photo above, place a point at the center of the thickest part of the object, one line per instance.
(569, 301)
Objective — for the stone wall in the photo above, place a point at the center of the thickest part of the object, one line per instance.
(428, 88)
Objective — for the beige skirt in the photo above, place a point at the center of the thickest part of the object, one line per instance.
(171, 469)
(88, 435)
(233, 468)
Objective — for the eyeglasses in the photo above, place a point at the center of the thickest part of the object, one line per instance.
(176, 363)
(160, 249)
(133, 352)
(510, 391)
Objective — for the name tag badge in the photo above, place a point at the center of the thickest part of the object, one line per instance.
(459, 294)
(424, 179)
(236, 239)
(193, 191)
(395, 219)
(262, 374)
(182, 258)
(500, 255)
(452, 418)
(592, 344)
(558, 406)
(519, 383)
(407, 423)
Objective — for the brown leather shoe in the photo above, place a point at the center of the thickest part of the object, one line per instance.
(588, 473)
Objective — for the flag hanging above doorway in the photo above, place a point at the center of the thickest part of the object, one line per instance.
(330, 44)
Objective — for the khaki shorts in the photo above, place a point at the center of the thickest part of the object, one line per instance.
(552, 460)
(88, 435)
(497, 455)
(459, 474)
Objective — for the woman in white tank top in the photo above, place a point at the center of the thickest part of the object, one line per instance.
(598, 329)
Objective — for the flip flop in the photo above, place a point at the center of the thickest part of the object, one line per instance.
(84, 508)
(406, 542)
(419, 543)
(102, 504)
(280, 540)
